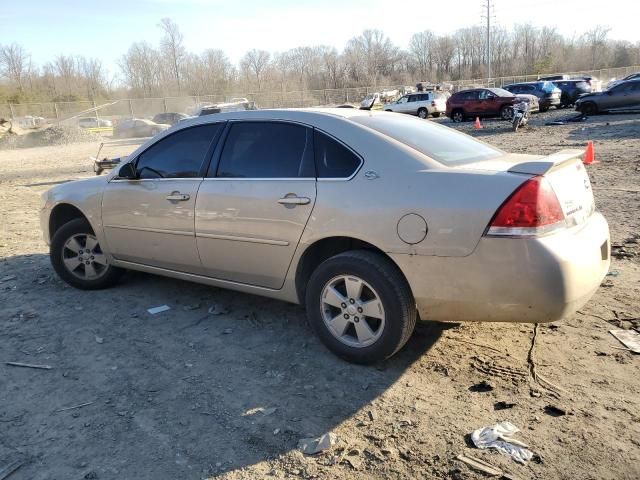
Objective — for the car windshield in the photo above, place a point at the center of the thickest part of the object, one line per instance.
(440, 143)
(501, 92)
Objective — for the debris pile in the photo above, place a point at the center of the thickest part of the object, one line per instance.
(56, 135)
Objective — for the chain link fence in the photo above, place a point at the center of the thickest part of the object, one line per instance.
(70, 112)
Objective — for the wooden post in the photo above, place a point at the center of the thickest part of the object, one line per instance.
(130, 108)
(12, 113)
(55, 109)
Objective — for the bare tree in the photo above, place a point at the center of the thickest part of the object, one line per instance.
(595, 39)
(14, 64)
(173, 48)
(421, 51)
(255, 62)
(140, 67)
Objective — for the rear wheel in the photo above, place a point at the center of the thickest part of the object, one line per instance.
(361, 306)
(544, 109)
(589, 108)
(423, 113)
(457, 116)
(77, 257)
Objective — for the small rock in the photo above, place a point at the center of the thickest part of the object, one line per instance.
(218, 310)
(276, 431)
(227, 331)
(311, 446)
(503, 405)
(99, 339)
(218, 464)
(372, 415)
(92, 475)
(194, 306)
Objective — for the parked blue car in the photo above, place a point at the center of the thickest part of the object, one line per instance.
(548, 94)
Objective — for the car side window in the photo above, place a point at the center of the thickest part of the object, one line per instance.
(333, 160)
(179, 155)
(267, 150)
(413, 98)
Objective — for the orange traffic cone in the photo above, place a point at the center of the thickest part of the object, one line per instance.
(589, 155)
(478, 125)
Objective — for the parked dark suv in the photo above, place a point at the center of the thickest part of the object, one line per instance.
(548, 94)
(485, 102)
(571, 90)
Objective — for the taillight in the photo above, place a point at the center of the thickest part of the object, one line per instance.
(533, 209)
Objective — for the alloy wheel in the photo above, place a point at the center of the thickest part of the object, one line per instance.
(83, 257)
(352, 311)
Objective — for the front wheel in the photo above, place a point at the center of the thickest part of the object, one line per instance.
(506, 112)
(588, 108)
(423, 113)
(361, 306)
(77, 257)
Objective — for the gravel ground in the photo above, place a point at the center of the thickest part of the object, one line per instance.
(190, 394)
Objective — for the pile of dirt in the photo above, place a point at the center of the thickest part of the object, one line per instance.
(56, 135)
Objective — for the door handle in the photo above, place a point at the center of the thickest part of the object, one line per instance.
(294, 201)
(178, 197)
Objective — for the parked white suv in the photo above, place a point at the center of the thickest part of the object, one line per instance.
(421, 104)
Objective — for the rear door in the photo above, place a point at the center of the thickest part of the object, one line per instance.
(470, 102)
(255, 202)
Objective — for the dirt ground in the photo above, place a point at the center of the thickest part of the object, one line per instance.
(187, 394)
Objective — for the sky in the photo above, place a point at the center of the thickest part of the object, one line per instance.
(106, 29)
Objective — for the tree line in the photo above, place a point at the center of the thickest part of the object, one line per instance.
(368, 59)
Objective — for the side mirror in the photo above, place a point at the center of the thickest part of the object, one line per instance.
(128, 171)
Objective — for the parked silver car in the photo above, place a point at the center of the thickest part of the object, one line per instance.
(620, 97)
(92, 122)
(138, 127)
(421, 104)
(369, 219)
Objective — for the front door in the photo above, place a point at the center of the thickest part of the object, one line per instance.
(150, 220)
(252, 209)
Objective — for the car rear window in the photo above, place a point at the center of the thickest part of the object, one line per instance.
(501, 92)
(443, 144)
(547, 86)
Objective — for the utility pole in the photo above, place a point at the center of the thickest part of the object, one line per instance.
(488, 7)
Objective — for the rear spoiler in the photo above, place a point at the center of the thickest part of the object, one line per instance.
(543, 165)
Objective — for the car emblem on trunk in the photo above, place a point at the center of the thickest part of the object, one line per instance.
(371, 175)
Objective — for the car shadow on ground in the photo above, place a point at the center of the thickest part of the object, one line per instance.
(221, 381)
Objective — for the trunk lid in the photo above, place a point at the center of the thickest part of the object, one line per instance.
(565, 172)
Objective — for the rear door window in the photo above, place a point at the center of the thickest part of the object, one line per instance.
(179, 155)
(267, 150)
(333, 160)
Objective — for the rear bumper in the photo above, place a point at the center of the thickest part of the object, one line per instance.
(513, 279)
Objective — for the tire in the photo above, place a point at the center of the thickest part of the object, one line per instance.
(388, 110)
(589, 108)
(435, 114)
(63, 254)
(423, 113)
(543, 109)
(391, 322)
(506, 112)
(458, 115)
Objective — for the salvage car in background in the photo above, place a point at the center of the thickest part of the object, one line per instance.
(138, 127)
(620, 97)
(420, 104)
(170, 118)
(240, 200)
(485, 102)
(92, 122)
(548, 94)
(571, 90)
